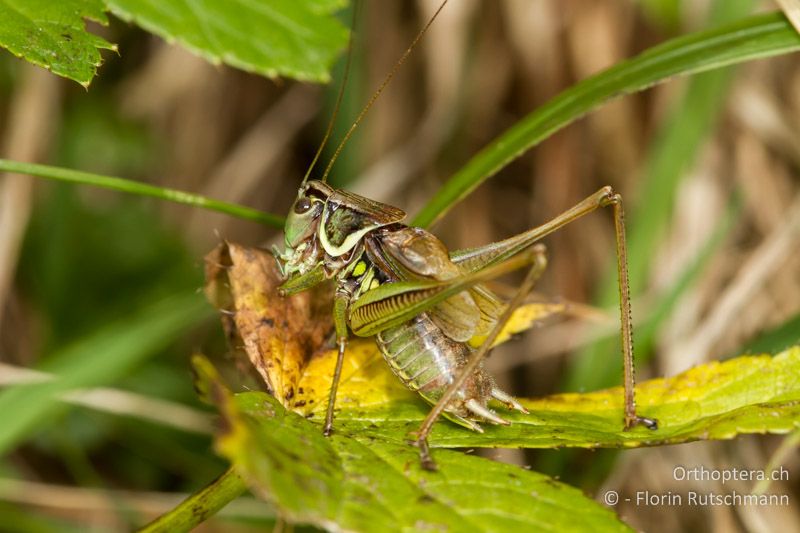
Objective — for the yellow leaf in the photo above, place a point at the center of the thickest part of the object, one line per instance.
(523, 318)
(368, 381)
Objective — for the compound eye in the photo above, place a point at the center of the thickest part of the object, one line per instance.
(302, 205)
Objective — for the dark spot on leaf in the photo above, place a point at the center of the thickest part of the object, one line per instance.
(425, 498)
(269, 322)
(66, 36)
(552, 483)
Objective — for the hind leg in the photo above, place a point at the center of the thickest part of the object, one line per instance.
(539, 262)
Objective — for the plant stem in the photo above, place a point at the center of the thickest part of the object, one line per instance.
(199, 506)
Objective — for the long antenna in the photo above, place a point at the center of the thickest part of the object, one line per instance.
(339, 97)
(380, 90)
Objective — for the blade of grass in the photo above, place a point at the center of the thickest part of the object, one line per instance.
(141, 189)
(751, 38)
(102, 357)
(118, 402)
(201, 505)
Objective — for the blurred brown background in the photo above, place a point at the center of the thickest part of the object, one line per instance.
(708, 170)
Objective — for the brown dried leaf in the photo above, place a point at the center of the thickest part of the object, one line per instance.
(277, 334)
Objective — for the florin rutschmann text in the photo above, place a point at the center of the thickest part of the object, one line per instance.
(697, 476)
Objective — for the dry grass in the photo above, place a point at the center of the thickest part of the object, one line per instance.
(482, 67)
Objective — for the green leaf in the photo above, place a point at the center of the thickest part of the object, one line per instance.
(341, 483)
(52, 35)
(102, 357)
(270, 37)
(298, 39)
(751, 38)
(718, 400)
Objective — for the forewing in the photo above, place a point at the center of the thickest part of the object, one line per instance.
(412, 253)
(490, 306)
(458, 317)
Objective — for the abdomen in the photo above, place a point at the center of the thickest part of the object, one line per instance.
(427, 361)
